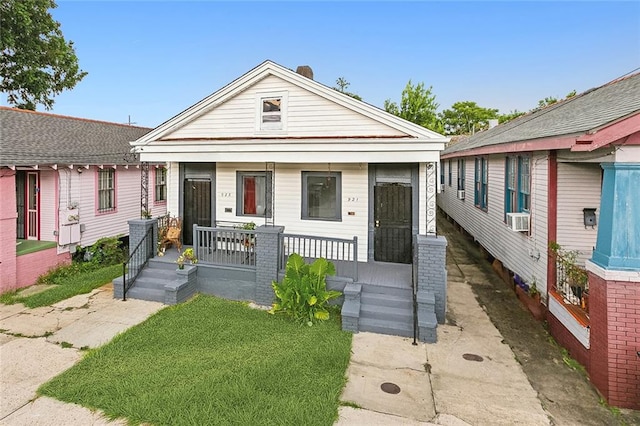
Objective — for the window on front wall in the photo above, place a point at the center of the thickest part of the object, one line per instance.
(461, 173)
(517, 184)
(481, 178)
(254, 194)
(321, 195)
(161, 185)
(106, 190)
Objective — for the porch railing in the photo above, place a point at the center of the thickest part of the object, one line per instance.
(225, 246)
(137, 261)
(343, 253)
(572, 281)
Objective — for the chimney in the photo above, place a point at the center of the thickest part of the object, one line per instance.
(493, 123)
(305, 70)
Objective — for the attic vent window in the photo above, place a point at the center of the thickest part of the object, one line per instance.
(271, 113)
(271, 110)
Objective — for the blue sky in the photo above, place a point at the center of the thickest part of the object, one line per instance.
(152, 59)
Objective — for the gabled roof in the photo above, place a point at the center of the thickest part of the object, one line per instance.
(268, 68)
(582, 114)
(30, 138)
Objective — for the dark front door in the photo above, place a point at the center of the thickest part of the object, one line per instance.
(197, 207)
(392, 221)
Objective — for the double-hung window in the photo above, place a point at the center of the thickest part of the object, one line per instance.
(517, 184)
(461, 174)
(481, 178)
(254, 194)
(160, 187)
(450, 173)
(106, 190)
(322, 196)
(442, 173)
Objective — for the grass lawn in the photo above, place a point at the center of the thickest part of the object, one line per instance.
(212, 361)
(81, 283)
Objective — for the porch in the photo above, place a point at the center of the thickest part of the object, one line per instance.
(240, 264)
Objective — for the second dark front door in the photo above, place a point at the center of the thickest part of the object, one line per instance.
(197, 207)
(392, 221)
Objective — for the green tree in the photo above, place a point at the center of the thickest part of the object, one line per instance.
(342, 84)
(466, 118)
(503, 118)
(37, 62)
(417, 105)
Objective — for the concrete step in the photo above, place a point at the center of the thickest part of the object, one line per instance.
(161, 274)
(149, 294)
(386, 313)
(155, 263)
(393, 328)
(389, 291)
(146, 281)
(391, 301)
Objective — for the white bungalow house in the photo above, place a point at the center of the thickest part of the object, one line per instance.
(64, 182)
(275, 147)
(567, 174)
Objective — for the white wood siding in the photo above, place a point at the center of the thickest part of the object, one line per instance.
(288, 200)
(48, 183)
(516, 250)
(422, 203)
(173, 188)
(579, 186)
(307, 115)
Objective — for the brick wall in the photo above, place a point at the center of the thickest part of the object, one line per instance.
(30, 266)
(568, 341)
(616, 340)
(266, 251)
(432, 271)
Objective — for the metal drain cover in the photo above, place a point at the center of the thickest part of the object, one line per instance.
(473, 357)
(390, 388)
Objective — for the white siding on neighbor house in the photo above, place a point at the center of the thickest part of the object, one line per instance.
(48, 183)
(579, 187)
(307, 114)
(516, 250)
(288, 200)
(81, 188)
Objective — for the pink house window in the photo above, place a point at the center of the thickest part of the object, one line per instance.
(106, 190)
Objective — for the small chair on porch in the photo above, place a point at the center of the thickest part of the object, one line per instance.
(173, 235)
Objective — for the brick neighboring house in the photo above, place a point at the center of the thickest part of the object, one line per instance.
(64, 181)
(567, 174)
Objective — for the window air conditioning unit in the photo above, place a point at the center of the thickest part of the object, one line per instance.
(518, 222)
(460, 194)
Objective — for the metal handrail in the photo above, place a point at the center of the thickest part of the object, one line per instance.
(136, 262)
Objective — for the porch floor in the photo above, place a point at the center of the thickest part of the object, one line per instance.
(396, 275)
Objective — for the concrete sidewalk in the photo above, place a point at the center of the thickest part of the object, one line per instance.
(469, 377)
(38, 344)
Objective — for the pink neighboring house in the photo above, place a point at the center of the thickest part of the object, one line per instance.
(65, 182)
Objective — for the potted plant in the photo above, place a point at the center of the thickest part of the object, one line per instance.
(186, 256)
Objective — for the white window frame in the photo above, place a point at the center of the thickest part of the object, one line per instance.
(276, 126)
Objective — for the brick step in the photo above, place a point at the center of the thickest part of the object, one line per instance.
(155, 263)
(386, 313)
(160, 274)
(391, 301)
(393, 328)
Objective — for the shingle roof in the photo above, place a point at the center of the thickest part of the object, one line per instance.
(35, 138)
(577, 115)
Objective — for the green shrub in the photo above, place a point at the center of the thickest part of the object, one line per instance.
(303, 293)
(107, 251)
